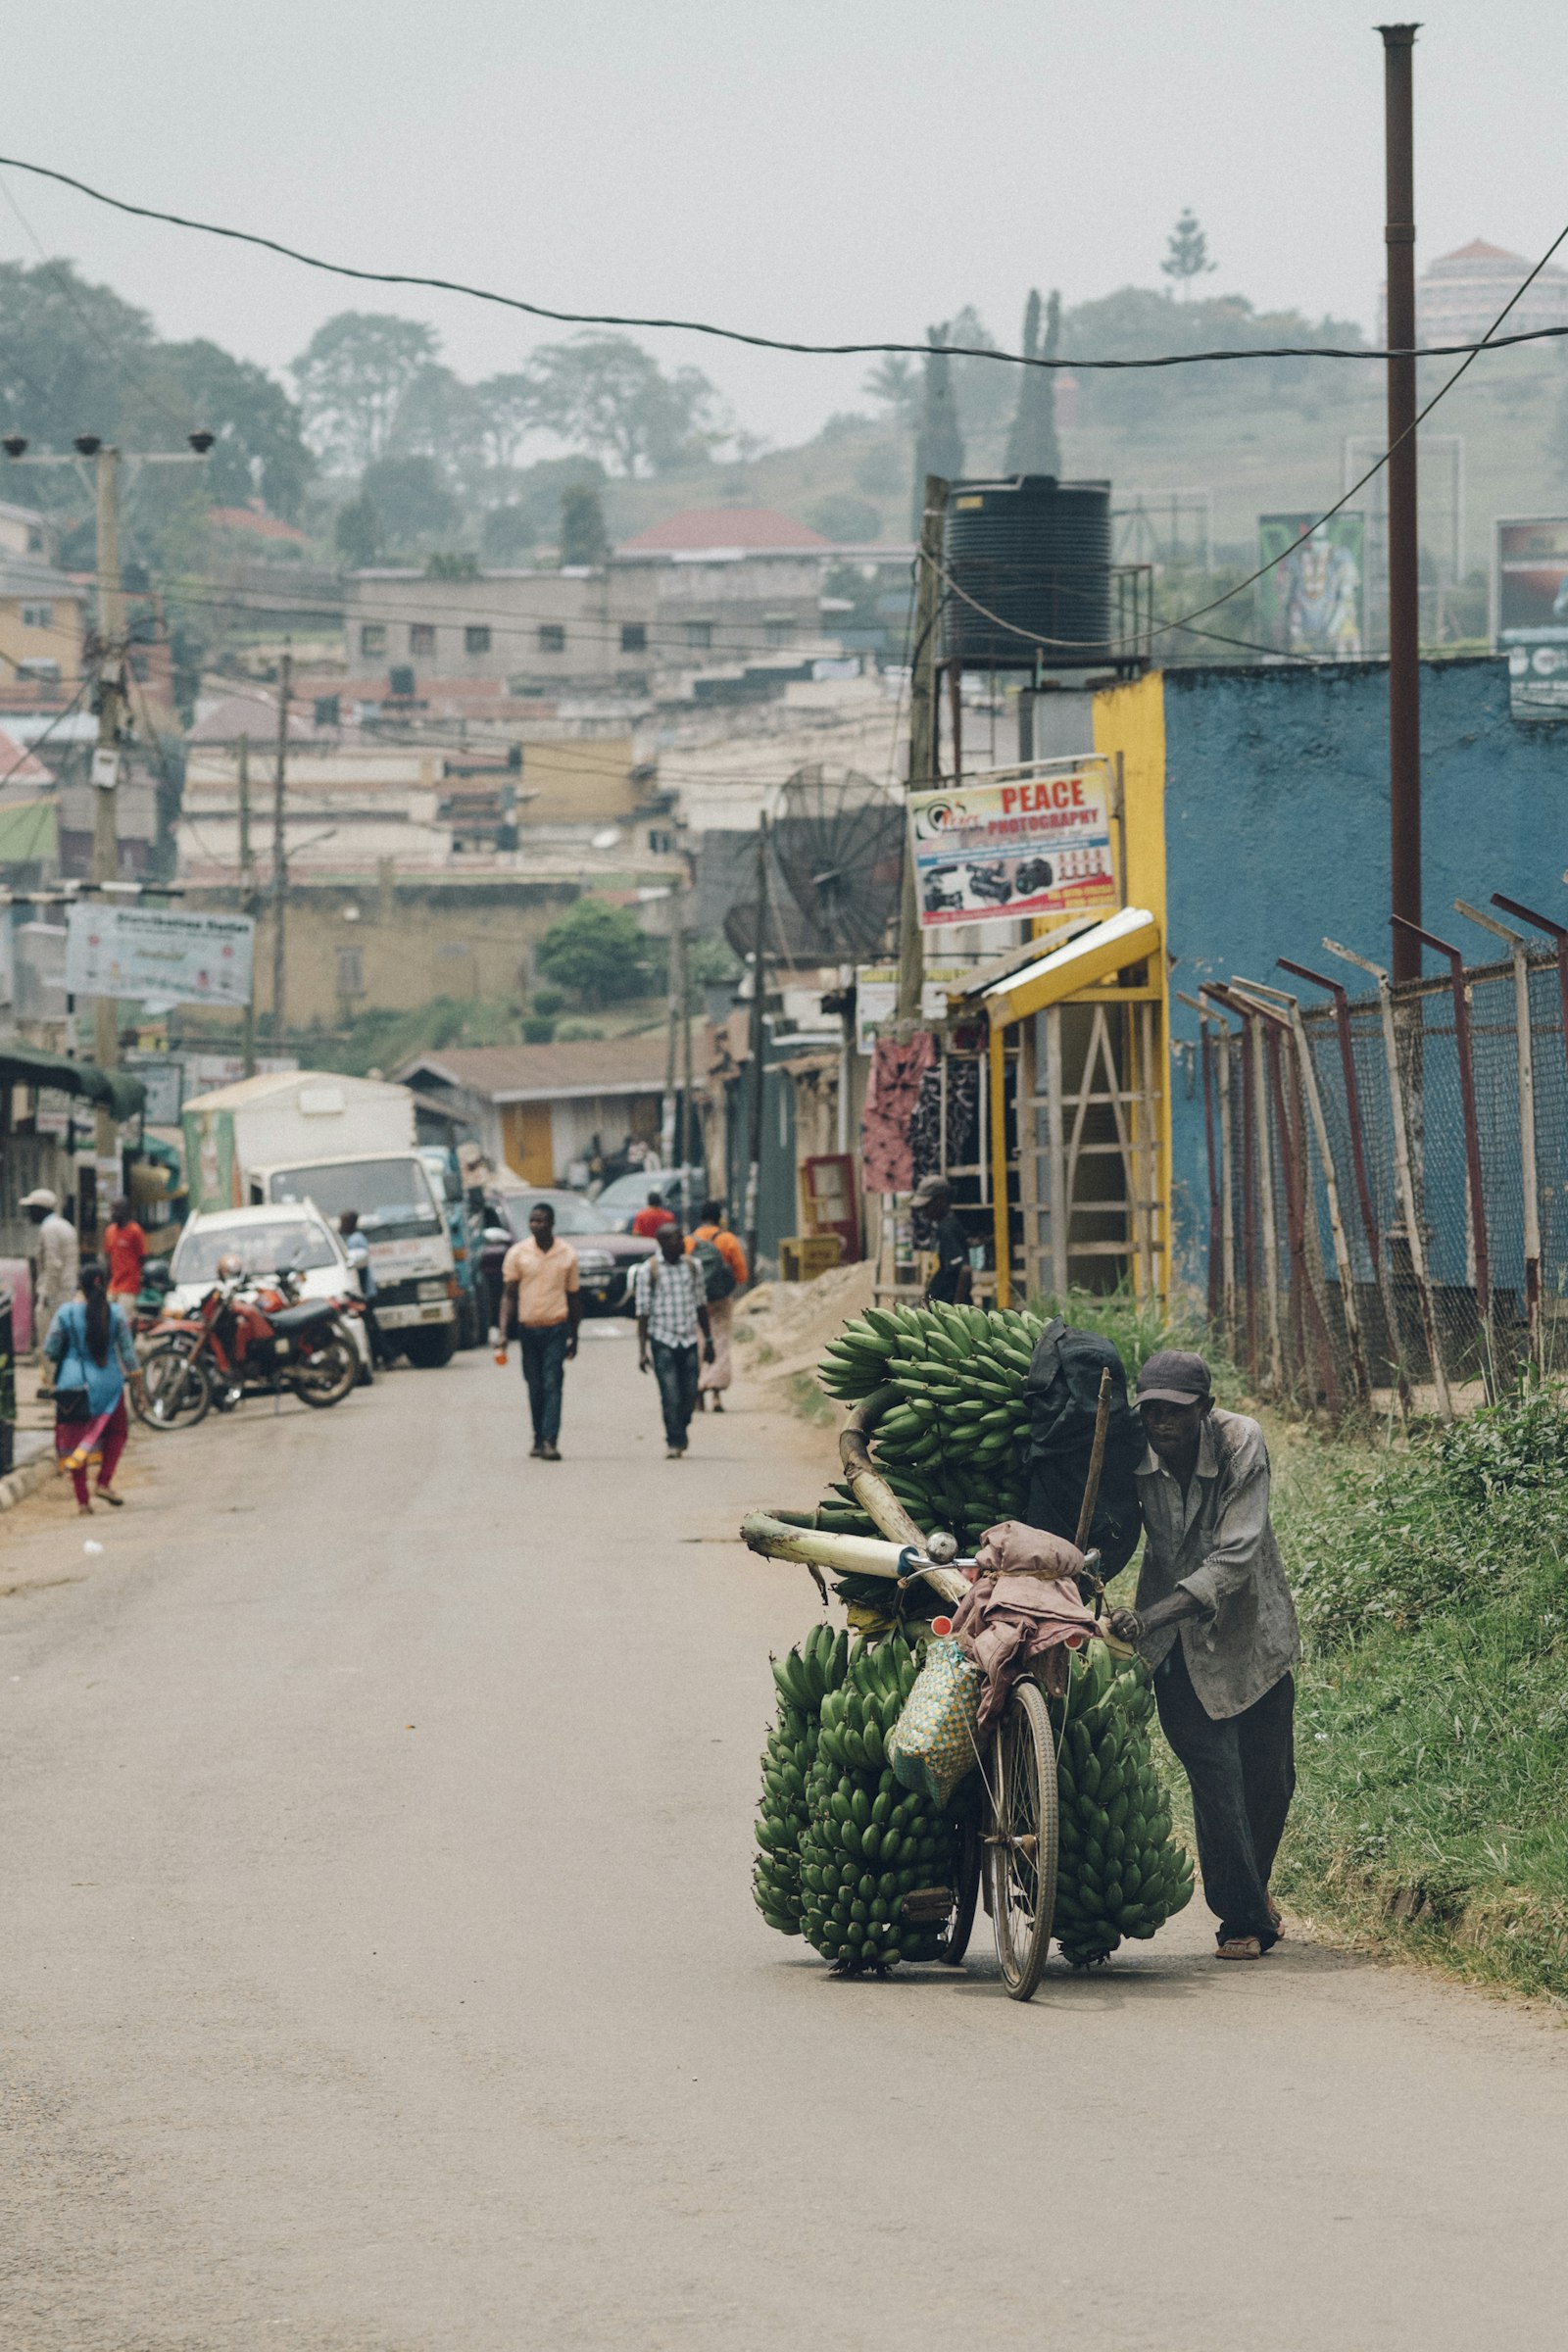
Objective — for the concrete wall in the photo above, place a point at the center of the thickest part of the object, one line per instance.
(1277, 832)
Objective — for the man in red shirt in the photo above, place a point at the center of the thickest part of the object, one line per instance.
(648, 1221)
(125, 1247)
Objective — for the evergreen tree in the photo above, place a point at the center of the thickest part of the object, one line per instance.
(583, 536)
(1186, 253)
(938, 445)
(1032, 444)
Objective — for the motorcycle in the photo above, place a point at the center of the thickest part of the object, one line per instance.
(246, 1338)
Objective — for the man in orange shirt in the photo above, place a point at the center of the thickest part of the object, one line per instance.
(648, 1219)
(722, 1257)
(125, 1247)
(539, 1292)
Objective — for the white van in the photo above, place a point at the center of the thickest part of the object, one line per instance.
(405, 1231)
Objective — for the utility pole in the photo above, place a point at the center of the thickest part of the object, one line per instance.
(1404, 607)
(106, 765)
(247, 892)
(923, 732)
(686, 1153)
(286, 679)
(753, 1170)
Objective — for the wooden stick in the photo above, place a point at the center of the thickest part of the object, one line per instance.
(1097, 1461)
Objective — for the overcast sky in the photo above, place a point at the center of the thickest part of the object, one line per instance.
(822, 169)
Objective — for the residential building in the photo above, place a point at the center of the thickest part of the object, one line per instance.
(41, 622)
(537, 1110)
(1458, 298)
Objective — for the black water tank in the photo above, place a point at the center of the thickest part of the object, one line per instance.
(1036, 553)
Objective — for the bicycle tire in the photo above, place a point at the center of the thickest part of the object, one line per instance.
(164, 1403)
(1021, 1839)
(955, 1937)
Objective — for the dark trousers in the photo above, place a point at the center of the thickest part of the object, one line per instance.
(544, 1368)
(1243, 1775)
(676, 1371)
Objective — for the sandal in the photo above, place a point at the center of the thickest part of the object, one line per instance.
(1241, 1947)
(108, 1494)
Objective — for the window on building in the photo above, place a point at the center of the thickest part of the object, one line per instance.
(661, 844)
(41, 671)
(350, 972)
(552, 637)
(328, 710)
(700, 635)
(421, 637)
(779, 632)
(634, 637)
(372, 637)
(38, 617)
(34, 540)
(476, 639)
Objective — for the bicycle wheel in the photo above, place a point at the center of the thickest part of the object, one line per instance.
(1021, 1839)
(174, 1393)
(955, 1937)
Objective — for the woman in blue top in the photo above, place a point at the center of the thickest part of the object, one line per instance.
(90, 1347)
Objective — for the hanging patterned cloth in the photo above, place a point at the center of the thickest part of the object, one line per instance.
(897, 1072)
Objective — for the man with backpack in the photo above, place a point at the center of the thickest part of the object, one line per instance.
(723, 1259)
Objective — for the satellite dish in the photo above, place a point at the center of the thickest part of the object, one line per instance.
(608, 839)
(838, 839)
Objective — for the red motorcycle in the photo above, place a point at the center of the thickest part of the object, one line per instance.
(246, 1340)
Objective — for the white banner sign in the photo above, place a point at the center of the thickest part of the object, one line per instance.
(876, 996)
(159, 956)
(997, 850)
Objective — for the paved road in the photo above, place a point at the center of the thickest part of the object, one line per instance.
(377, 1968)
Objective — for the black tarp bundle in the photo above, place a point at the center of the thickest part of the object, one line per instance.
(1063, 1393)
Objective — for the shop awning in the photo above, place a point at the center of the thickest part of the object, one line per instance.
(1129, 936)
(116, 1091)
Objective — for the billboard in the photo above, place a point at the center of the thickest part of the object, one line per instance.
(1015, 844)
(158, 955)
(1313, 599)
(1529, 604)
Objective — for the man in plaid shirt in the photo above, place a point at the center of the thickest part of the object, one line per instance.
(669, 1299)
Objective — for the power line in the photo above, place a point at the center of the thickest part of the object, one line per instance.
(732, 334)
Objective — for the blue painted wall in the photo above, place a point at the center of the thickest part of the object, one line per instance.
(1277, 831)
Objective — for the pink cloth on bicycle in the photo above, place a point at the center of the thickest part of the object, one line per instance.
(1009, 1624)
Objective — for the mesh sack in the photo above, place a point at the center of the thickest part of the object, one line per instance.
(932, 1746)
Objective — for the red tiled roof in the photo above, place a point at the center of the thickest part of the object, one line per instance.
(700, 527)
(17, 764)
(1478, 249)
(261, 526)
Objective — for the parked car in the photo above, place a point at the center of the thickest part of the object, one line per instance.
(605, 1257)
(271, 1240)
(684, 1190)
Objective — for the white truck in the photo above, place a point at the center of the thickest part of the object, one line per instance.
(345, 1144)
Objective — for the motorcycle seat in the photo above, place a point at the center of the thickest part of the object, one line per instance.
(290, 1319)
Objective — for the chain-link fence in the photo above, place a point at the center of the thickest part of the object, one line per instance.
(1388, 1179)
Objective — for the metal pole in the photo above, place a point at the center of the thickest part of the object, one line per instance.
(286, 681)
(923, 732)
(106, 799)
(690, 1129)
(1207, 1051)
(1406, 1179)
(753, 1169)
(247, 894)
(1404, 608)
(1524, 1055)
(1265, 1183)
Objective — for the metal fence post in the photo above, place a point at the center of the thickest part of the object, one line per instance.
(1401, 1161)
(1472, 1145)
(1519, 951)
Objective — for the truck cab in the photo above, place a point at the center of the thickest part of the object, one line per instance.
(405, 1228)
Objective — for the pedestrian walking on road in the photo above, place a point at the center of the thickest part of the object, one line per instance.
(125, 1247)
(652, 1217)
(540, 1294)
(723, 1257)
(59, 1258)
(90, 1347)
(668, 1299)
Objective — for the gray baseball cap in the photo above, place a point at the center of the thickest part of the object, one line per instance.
(1174, 1376)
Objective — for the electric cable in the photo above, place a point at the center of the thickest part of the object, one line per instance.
(732, 334)
(59, 719)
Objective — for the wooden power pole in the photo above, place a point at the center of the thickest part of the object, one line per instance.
(247, 893)
(1404, 595)
(106, 767)
(922, 731)
(286, 681)
(753, 1165)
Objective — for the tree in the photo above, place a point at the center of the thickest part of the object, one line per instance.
(438, 418)
(506, 534)
(597, 952)
(74, 359)
(846, 518)
(1032, 444)
(1187, 254)
(412, 499)
(260, 449)
(895, 383)
(583, 536)
(938, 447)
(982, 389)
(507, 409)
(357, 533)
(352, 374)
(608, 396)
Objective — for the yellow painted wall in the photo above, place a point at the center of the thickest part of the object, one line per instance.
(577, 783)
(1130, 721)
(60, 642)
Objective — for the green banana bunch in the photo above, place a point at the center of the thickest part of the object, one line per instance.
(1119, 1873)
(868, 1844)
(804, 1676)
(951, 1447)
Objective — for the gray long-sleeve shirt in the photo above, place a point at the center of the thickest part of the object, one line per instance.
(1217, 1543)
